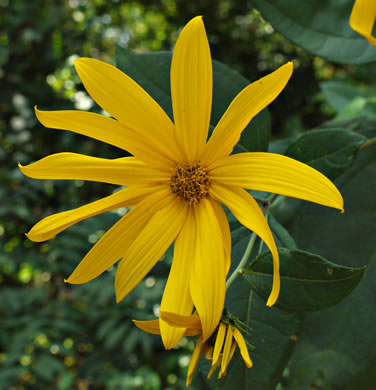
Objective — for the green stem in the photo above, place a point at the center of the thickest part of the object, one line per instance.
(368, 143)
(239, 268)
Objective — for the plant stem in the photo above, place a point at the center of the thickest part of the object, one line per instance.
(368, 143)
(239, 268)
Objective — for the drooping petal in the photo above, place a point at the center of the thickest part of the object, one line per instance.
(52, 225)
(243, 348)
(151, 326)
(278, 174)
(226, 233)
(214, 367)
(226, 351)
(73, 166)
(249, 214)
(149, 246)
(207, 279)
(180, 320)
(363, 18)
(199, 350)
(110, 131)
(192, 88)
(219, 343)
(126, 101)
(176, 296)
(246, 105)
(114, 243)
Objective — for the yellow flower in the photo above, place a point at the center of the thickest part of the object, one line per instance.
(177, 180)
(362, 19)
(219, 348)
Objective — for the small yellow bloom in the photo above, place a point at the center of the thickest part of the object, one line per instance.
(362, 19)
(219, 348)
(177, 180)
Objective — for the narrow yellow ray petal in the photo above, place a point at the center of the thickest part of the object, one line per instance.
(176, 296)
(151, 326)
(126, 101)
(226, 351)
(226, 233)
(52, 225)
(209, 353)
(192, 88)
(180, 320)
(278, 174)
(214, 367)
(232, 351)
(110, 131)
(208, 275)
(363, 18)
(219, 343)
(199, 350)
(249, 214)
(149, 246)
(243, 348)
(72, 166)
(113, 244)
(246, 105)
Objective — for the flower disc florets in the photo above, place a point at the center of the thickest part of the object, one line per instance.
(190, 182)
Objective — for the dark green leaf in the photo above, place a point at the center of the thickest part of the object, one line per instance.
(337, 344)
(331, 151)
(283, 236)
(308, 282)
(152, 72)
(274, 333)
(319, 26)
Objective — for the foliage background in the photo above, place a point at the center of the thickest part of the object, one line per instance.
(57, 336)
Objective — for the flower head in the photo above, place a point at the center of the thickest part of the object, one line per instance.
(219, 348)
(177, 180)
(362, 19)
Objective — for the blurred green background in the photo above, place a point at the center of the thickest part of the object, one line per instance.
(58, 336)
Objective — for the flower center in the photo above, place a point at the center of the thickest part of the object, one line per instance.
(190, 182)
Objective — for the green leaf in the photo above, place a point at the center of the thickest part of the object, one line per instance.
(337, 344)
(283, 236)
(273, 335)
(152, 72)
(339, 94)
(330, 151)
(319, 26)
(308, 282)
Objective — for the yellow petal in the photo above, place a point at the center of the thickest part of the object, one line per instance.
(226, 351)
(192, 88)
(176, 296)
(151, 326)
(277, 174)
(207, 279)
(243, 348)
(363, 18)
(114, 243)
(219, 343)
(110, 131)
(249, 214)
(232, 351)
(180, 320)
(149, 246)
(199, 350)
(214, 367)
(225, 227)
(56, 223)
(72, 166)
(246, 105)
(126, 101)
(209, 353)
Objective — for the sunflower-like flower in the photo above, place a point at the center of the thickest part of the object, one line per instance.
(177, 180)
(219, 348)
(362, 19)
